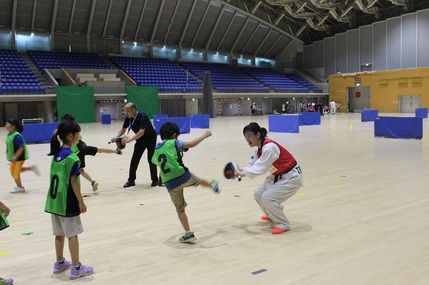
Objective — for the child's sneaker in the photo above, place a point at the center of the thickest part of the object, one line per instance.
(6, 281)
(94, 185)
(188, 237)
(82, 271)
(60, 266)
(215, 186)
(17, 190)
(35, 170)
(118, 151)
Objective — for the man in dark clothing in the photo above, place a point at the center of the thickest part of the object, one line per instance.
(145, 137)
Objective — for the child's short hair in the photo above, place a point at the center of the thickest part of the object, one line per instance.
(168, 129)
(19, 128)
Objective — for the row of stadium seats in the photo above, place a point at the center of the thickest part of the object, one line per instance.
(289, 83)
(224, 78)
(15, 75)
(45, 59)
(169, 77)
(22, 89)
(17, 78)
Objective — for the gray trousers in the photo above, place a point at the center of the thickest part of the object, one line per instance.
(271, 195)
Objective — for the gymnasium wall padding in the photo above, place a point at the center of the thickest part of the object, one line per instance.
(77, 101)
(145, 99)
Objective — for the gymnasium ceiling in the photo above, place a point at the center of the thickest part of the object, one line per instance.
(260, 28)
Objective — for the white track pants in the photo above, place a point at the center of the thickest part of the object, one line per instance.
(271, 195)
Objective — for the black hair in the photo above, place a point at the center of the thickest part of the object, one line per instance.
(66, 127)
(255, 128)
(67, 117)
(18, 127)
(168, 129)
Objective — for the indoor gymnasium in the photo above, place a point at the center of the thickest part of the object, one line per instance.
(340, 85)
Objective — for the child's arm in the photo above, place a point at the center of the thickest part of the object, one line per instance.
(18, 153)
(76, 190)
(81, 145)
(196, 141)
(4, 209)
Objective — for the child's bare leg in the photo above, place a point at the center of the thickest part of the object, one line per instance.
(86, 175)
(184, 220)
(213, 185)
(205, 183)
(74, 250)
(106, 150)
(59, 247)
(18, 182)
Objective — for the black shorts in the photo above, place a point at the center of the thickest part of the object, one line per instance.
(88, 150)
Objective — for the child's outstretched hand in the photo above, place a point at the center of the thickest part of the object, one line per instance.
(207, 134)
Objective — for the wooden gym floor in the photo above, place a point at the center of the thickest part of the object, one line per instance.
(362, 217)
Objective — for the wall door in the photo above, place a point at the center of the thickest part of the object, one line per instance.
(231, 107)
(192, 106)
(358, 98)
(409, 103)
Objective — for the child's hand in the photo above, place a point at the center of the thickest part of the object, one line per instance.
(207, 134)
(82, 207)
(6, 211)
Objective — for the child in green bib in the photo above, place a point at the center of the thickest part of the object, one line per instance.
(17, 153)
(175, 175)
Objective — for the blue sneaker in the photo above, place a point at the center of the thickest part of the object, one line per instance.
(82, 271)
(6, 281)
(60, 266)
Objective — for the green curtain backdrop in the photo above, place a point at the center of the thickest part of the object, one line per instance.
(77, 101)
(145, 99)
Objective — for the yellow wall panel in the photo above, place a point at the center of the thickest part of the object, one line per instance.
(383, 97)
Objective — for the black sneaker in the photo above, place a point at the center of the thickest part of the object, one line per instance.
(154, 183)
(129, 184)
(188, 237)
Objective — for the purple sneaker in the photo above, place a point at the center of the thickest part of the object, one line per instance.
(6, 281)
(82, 271)
(60, 266)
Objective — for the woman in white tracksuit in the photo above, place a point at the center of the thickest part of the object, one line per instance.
(283, 182)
